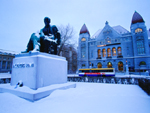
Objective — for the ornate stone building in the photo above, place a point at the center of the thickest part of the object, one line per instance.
(6, 58)
(115, 47)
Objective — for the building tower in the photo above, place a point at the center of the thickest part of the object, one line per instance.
(140, 42)
(83, 57)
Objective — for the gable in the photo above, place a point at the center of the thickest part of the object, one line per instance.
(107, 32)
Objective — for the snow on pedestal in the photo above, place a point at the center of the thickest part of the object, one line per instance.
(40, 73)
(36, 69)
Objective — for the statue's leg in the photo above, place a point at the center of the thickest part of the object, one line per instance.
(33, 44)
(36, 45)
(42, 44)
(55, 49)
(30, 45)
(46, 46)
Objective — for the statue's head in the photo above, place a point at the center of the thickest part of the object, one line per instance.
(47, 21)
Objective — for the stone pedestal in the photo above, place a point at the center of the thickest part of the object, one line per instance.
(36, 69)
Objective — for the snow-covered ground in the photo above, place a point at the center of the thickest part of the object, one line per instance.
(85, 98)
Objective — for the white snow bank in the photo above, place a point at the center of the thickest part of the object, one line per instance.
(85, 98)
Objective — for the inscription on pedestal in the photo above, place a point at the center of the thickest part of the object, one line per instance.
(23, 65)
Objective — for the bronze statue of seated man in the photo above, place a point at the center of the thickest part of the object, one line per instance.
(46, 40)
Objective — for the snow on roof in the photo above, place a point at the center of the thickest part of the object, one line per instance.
(96, 34)
(118, 29)
(7, 52)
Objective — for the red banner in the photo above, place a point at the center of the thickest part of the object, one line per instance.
(94, 73)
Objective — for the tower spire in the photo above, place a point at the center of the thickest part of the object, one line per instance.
(84, 30)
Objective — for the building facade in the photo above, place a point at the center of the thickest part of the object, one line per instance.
(114, 47)
(6, 59)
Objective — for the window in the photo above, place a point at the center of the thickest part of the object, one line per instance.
(4, 58)
(109, 65)
(109, 52)
(83, 52)
(99, 53)
(8, 65)
(128, 51)
(104, 53)
(83, 65)
(108, 40)
(114, 51)
(140, 45)
(142, 63)
(119, 51)
(83, 39)
(120, 66)
(3, 64)
(91, 53)
(99, 65)
(138, 30)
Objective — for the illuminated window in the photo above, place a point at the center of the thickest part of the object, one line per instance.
(140, 45)
(114, 51)
(99, 53)
(99, 65)
(120, 66)
(138, 30)
(109, 65)
(104, 53)
(108, 40)
(108, 52)
(119, 51)
(83, 39)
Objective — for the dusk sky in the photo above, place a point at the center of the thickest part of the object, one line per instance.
(20, 18)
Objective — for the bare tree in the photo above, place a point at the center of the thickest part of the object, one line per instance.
(67, 34)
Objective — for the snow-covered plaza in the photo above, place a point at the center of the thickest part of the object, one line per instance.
(85, 98)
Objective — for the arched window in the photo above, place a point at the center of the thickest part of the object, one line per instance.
(114, 51)
(109, 65)
(119, 51)
(99, 53)
(99, 65)
(104, 53)
(83, 39)
(140, 45)
(142, 63)
(120, 66)
(138, 30)
(109, 52)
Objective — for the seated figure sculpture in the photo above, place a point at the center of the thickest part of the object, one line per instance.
(46, 40)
